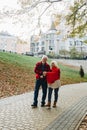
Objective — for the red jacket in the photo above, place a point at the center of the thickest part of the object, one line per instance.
(38, 69)
(53, 75)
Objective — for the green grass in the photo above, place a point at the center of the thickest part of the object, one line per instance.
(17, 74)
(19, 60)
(71, 75)
(68, 74)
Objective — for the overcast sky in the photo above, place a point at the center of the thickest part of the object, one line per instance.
(22, 28)
(8, 3)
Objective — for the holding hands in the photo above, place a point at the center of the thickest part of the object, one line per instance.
(44, 73)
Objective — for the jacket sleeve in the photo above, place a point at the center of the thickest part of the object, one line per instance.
(50, 77)
(53, 76)
(58, 73)
(37, 69)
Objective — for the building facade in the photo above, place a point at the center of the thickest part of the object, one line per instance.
(78, 43)
(47, 43)
(10, 43)
(7, 42)
(52, 43)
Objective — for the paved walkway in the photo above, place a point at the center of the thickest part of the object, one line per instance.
(16, 112)
(75, 63)
(71, 118)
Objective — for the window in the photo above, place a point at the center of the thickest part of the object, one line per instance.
(42, 43)
(70, 43)
(42, 49)
(50, 48)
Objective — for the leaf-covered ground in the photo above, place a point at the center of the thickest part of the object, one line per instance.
(15, 80)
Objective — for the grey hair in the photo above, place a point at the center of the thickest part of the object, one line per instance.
(55, 63)
(44, 56)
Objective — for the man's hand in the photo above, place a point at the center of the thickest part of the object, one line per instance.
(41, 76)
(44, 73)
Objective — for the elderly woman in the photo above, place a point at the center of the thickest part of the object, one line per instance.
(53, 79)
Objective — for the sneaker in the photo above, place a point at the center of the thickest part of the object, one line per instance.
(34, 106)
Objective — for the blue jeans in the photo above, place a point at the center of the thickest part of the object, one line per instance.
(55, 94)
(43, 83)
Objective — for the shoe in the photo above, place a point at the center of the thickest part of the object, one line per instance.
(54, 104)
(42, 105)
(48, 105)
(34, 106)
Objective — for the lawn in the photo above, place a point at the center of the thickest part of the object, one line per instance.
(17, 75)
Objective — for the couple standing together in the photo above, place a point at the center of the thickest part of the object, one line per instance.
(46, 76)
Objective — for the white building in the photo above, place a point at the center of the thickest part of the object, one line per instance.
(7, 42)
(11, 43)
(51, 43)
(47, 43)
(78, 43)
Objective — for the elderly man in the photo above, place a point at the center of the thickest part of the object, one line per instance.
(41, 81)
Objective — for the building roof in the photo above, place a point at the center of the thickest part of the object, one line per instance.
(2, 33)
(53, 26)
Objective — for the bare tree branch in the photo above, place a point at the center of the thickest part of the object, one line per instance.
(45, 10)
(28, 9)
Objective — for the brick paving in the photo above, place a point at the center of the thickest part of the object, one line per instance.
(83, 123)
(16, 112)
(71, 117)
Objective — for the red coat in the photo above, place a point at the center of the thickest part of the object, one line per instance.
(38, 69)
(53, 75)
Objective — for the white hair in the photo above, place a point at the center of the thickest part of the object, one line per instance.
(44, 56)
(55, 63)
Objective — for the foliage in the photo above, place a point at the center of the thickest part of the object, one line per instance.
(57, 18)
(57, 21)
(77, 18)
(81, 72)
(64, 52)
(50, 55)
(85, 41)
(74, 54)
